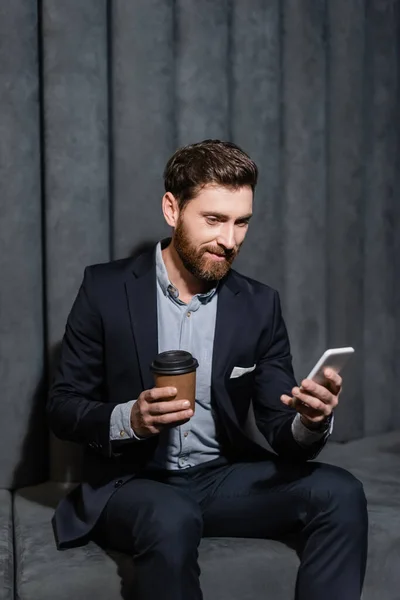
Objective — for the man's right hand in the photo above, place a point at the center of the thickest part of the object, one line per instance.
(155, 410)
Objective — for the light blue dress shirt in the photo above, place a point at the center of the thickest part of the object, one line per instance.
(189, 327)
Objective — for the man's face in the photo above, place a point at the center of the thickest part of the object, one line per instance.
(211, 229)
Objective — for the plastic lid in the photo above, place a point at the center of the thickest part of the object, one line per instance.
(174, 362)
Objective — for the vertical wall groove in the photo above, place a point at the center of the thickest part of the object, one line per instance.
(42, 136)
(367, 118)
(229, 79)
(396, 251)
(280, 279)
(110, 146)
(328, 133)
(174, 75)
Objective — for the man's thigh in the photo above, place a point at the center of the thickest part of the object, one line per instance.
(271, 499)
(142, 512)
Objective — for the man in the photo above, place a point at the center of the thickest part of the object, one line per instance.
(158, 477)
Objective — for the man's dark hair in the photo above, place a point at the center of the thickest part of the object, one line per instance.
(208, 162)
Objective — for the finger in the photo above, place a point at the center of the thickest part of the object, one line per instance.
(175, 418)
(156, 394)
(334, 379)
(301, 408)
(288, 400)
(311, 402)
(317, 391)
(172, 406)
(307, 411)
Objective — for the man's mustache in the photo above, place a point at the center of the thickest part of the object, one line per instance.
(225, 253)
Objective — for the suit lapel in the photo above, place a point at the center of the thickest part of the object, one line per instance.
(226, 332)
(141, 293)
(231, 315)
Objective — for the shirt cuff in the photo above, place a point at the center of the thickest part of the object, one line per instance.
(120, 422)
(307, 437)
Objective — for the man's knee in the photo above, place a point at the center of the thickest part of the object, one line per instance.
(341, 496)
(173, 531)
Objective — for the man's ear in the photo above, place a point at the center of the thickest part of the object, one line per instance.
(170, 209)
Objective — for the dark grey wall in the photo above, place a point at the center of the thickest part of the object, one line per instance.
(95, 96)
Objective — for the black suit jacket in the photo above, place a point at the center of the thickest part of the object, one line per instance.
(111, 339)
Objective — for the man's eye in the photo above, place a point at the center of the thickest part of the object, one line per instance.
(212, 220)
(242, 223)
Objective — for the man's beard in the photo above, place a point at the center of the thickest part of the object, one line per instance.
(196, 260)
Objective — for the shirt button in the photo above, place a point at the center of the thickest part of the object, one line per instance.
(186, 434)
(122, 433)
(189, 313)
(182, 462)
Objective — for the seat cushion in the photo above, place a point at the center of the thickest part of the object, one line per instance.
(376, 462)
(241, 569)
(373, 460)
(6, 547)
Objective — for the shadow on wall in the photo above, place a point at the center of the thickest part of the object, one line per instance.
(66, 457)
(142, 248)
(43, 455)
(34, 465)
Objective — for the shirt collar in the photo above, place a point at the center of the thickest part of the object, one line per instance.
(167, 287)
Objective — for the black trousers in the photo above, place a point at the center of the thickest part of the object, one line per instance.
(161, 517)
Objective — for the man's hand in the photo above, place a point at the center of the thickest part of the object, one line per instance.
(155, 410)
(315, 402)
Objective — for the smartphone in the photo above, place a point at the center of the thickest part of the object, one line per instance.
(334, 358)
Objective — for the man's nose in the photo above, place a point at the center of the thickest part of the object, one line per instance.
(226, 236)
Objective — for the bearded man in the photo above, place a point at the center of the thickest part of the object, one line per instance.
(157, 477)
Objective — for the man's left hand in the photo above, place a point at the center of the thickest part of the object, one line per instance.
(315, 402)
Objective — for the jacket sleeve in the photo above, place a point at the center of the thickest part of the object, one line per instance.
(77, 408)
(273, 377)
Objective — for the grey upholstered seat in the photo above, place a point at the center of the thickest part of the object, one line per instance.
(6, 547)
(232, 569)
